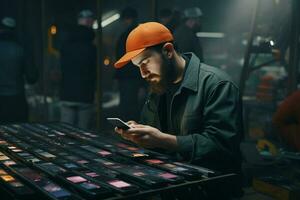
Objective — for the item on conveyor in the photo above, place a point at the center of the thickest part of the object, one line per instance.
(88, 188)
(59, 161)
(37, 180)
(188, 173)
(14, 185)
(113, 182)
(143, 174)
(43, 183)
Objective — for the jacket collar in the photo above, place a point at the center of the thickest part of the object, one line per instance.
(191, 76)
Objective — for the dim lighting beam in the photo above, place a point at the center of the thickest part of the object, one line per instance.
(110, 20)
(210, 34)
(106, 21)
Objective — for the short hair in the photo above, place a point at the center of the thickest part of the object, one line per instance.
(159, 47)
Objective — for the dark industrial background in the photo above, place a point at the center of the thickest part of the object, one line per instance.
(245, 27)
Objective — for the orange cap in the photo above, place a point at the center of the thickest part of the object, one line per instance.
(143, 36)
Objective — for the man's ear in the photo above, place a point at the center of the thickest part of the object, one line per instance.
(168, 50)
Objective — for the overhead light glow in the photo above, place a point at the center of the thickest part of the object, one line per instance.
(210, 34)
(95, 25)
(106, 61)
(110, 20)
(106, 21)
(53, 30)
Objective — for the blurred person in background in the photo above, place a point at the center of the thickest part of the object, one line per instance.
(185, 35)
(78, 72)
(287, 121)
(129, 82)
(15, 70)
(170, 18)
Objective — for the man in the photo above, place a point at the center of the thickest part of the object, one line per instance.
(78, 67)
(185, 34)
(128, 77)
(15, 70)
(193, 110)
(169, 18)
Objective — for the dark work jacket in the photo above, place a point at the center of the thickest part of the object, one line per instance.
(14, 68)
(206, 117)
(78, 65)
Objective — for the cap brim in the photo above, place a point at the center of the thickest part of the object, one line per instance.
(127, 57)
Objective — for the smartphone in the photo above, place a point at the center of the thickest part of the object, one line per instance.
(118, 123)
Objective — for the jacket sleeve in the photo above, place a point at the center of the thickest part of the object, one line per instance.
(218, 141)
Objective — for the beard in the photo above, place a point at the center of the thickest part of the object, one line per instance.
(166, 79)
(158, 88)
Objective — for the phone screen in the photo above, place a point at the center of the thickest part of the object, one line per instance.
(76, 179)
(118, 123)
(104, 153)
(89, 186)
(92, 174)
(47, 155)
(3, 158)
(16, 184)
(56, 190)
(30, 174)
(51, 167)
(70, 165)
(119, 183)
(168, 175)
(9, 163)
(7, 178)
(154, 161)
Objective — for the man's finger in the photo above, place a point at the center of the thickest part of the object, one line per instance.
(131, 122)
(137, 131)
(131, 136)
(118, 130)
(139, 126)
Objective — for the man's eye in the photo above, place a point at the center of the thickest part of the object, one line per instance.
(146, 61)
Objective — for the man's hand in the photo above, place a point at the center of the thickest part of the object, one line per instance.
(148, 136)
